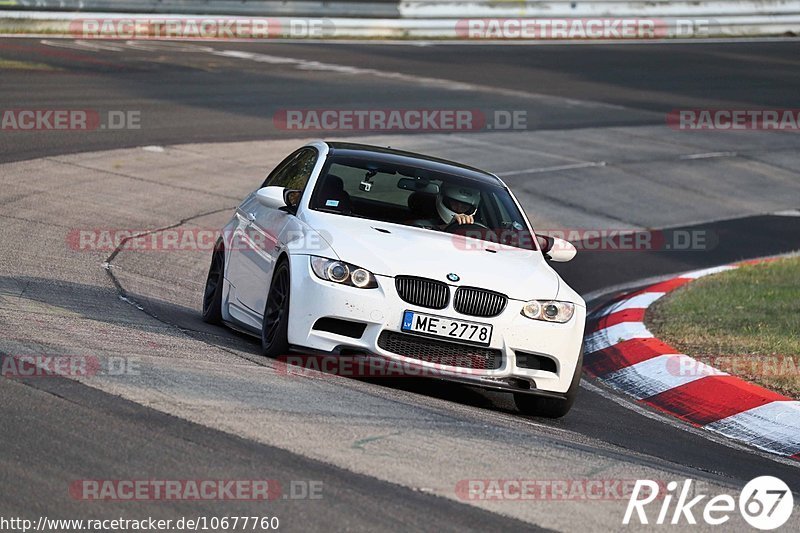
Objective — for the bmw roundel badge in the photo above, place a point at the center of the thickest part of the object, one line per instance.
(453, 276)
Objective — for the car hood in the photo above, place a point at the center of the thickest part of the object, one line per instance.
(393, 250)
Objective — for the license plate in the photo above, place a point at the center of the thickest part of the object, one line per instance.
(439, 326)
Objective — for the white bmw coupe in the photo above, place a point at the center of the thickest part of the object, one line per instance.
(356, 250)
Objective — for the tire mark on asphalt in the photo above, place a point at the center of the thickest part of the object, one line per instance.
(31, 221)
(359, 444)
(572, 205)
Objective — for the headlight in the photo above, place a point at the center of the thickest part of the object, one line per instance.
(344, 273)
(549, 310)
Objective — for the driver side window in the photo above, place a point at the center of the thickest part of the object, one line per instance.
(294, 171)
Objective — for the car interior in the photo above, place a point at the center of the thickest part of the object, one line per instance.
(385, 196)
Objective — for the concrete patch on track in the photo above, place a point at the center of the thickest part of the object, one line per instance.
(57, 299)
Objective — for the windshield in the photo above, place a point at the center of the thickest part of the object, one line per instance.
(422, 198)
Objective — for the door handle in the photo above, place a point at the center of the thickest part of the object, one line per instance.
(251, 217)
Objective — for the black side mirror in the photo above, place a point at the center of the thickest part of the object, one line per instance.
(291, 197)
(545, 243)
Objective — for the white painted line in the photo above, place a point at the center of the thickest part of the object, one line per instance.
(552, 169)
(788, 213)
(91, 46)
(168, 46)
(304, 64)
(774, 427)
(706, 272)
(608, 337)
(657, 375)
(309, 65)
(709, 155)
(525, 150)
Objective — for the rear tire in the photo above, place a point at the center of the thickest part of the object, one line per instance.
(530, 404)
(212, 295)
(275, 324)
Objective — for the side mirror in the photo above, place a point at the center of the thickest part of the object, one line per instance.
(291, 198)
(272, 197)
(559, 250)
(279, 198)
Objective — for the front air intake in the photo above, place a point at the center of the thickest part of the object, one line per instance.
(441, 352)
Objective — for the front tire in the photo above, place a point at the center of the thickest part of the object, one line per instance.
(212, 295)
(275, 325)
(530, 404)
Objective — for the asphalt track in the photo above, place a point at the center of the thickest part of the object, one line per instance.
(186, 96)
(71, 431)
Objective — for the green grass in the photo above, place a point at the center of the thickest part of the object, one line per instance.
(8, 64)
(745, 322)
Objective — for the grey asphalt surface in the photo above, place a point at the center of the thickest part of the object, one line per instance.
(58, 301)
(83, 432)
(186, 96)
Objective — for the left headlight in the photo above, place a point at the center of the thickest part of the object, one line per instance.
(549, 310)
(344, 273)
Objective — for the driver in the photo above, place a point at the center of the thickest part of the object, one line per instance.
(457, 204)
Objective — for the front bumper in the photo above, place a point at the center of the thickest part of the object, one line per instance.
(381, 310)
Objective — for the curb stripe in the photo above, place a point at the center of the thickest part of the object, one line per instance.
(708, 400)
(653, 377)
(628, 315)
(640, 301)
(665, 286)
(605, 338)
(773, 427)
(622, 352)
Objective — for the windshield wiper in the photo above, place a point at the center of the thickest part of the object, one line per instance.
(339, 212)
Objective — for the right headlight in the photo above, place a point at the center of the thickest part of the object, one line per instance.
(344, 273)
(549, 310)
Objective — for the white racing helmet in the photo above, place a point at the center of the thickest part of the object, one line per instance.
(449, 193)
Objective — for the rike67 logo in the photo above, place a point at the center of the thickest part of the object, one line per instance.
(765, 503)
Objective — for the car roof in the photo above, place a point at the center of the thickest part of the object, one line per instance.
(401, 157)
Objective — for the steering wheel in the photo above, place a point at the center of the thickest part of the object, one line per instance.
(461, 229)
